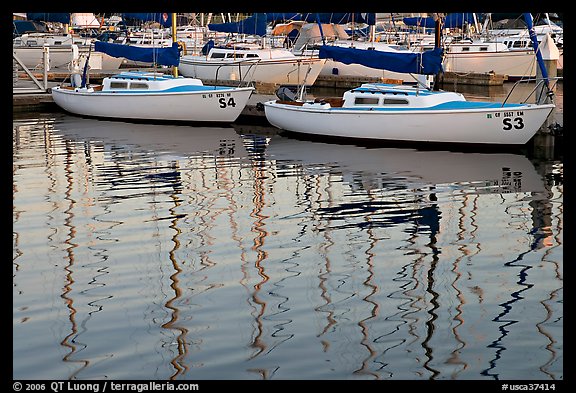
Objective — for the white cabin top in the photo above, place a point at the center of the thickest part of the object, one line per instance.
(40, 39)
(397, 96)
(248, 53)
(146, 81)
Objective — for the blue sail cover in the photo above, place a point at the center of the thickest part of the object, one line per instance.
(61, 17)
(417, 21)
(451, 20)
(428, 62)
(282, 16)
(164, 18)
(253, 25)
(340, 18)
(529, 23)
(162, 56)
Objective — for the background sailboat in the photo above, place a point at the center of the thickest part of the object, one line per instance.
(250, 62)
(29, 46)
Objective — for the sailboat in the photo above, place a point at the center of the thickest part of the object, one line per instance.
(150, 95)
(476, 54)
(410, 113)
(250, 62)
(30, 46)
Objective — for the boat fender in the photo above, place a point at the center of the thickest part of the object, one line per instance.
(556, 129)
(259, 106)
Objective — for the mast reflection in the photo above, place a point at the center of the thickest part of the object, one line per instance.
(70, 340)
(181, 344)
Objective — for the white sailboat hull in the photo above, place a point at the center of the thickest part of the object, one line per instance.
(475, 126)
(336, 69)
(515, 64)
(189, 106)
(60, 56)
(276, 71)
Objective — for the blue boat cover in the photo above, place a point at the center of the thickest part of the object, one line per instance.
(61, 17)
(282, 16)
(451, 20)
(342, 18)
(529, 23)
(162, 56)
(253, 25)
(164, 18)
(428, 62)
(256, 24)
(28, 26)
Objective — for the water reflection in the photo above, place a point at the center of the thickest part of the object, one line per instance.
(215, 253)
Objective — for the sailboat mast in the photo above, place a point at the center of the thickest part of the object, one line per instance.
(174, 39)
(437, 44)
(529, 24)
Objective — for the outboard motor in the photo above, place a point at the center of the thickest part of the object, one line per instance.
(285, 93)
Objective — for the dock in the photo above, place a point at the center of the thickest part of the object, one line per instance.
(28, 97)
(472, 78)
(349, 82)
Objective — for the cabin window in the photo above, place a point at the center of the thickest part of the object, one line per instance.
(138, 85)
(395, 101)
(519, 44)
(234, 55)
(483, 49)
(252, 55)
(366, 101)
(218, 55)
(465, 49)
(118, 85)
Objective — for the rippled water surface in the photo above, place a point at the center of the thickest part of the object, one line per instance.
(177, 252)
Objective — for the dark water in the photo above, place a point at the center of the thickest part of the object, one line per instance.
(191, 253)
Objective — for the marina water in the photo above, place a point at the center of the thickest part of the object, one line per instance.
(172, 252)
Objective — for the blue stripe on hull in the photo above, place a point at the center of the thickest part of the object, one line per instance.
(454, 105)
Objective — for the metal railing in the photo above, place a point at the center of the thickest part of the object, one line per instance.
(42, 87)
(240, 64)
(541, 91)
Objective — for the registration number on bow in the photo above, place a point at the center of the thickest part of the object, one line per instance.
(224, 99)
(510, 120)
